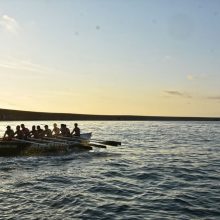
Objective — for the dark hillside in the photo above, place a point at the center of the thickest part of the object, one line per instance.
(16, 115)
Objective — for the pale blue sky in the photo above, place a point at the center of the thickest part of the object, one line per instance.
(148, 57)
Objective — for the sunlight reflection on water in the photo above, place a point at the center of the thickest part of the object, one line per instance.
(162, 170)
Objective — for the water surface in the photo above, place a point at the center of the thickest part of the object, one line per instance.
(163, 170)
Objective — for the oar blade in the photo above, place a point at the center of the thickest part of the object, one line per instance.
(111, 143)
(97, 145)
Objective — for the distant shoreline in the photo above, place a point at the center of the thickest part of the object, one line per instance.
(17, 115)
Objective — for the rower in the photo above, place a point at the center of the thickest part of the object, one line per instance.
(9, 134)
(56, 130)
(76, 130)
(18, 133)
(26, 132)
(65, 132)
(40, 132)
(33, 132)
(47, 131)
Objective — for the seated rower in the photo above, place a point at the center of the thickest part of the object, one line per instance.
(18, 132)
(56, 130)
(33, 133)
(76, 130)
(26, 132)
(9, 134)
(47, 131)
(40, 132)
(65, 132)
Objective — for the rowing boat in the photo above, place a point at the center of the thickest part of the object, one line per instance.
(18, 147)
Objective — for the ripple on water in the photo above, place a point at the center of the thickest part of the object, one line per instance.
(163, 170)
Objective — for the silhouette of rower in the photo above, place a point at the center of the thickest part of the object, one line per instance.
(26, 132)
(56, 130)
(76, 130)
(47, 131)
(18, 133)
(40, 132)
(9, 134)
(65, 132)
(33, 132)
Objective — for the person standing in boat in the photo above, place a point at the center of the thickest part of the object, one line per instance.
(76, 130)
(18, 133)
(56, 130)
(47, 131)
(9, 134)
(26, 132)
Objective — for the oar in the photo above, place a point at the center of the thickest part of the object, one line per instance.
(57, 140)
(49, 142)
(73, 141)
(29, 142)
(97, 145)
(110, 143)
(72, 138)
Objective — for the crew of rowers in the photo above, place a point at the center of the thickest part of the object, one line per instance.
(37, 132)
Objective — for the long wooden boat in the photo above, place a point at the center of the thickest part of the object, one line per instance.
(32, 146)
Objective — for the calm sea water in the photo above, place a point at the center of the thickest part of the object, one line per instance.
(163, 170)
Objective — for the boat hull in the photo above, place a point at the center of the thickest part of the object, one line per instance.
(38, 147)
(12, 148)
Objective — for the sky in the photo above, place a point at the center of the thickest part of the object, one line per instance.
(127, 57)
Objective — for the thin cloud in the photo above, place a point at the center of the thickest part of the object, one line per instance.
(214, 97)
(20, 65)
(168, 58)
(28, 66)
(174, 93)
(9, 24)
(192, 77)
(177, 93)
(24, 65)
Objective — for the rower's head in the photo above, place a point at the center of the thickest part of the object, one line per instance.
(33, 127)
(55, 125)
(75, 124)
(22, 126)
(18, 127)
(46, 127)
(38, 127)
(8, 127)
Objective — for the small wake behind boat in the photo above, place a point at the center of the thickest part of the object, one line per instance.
(33, 146)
